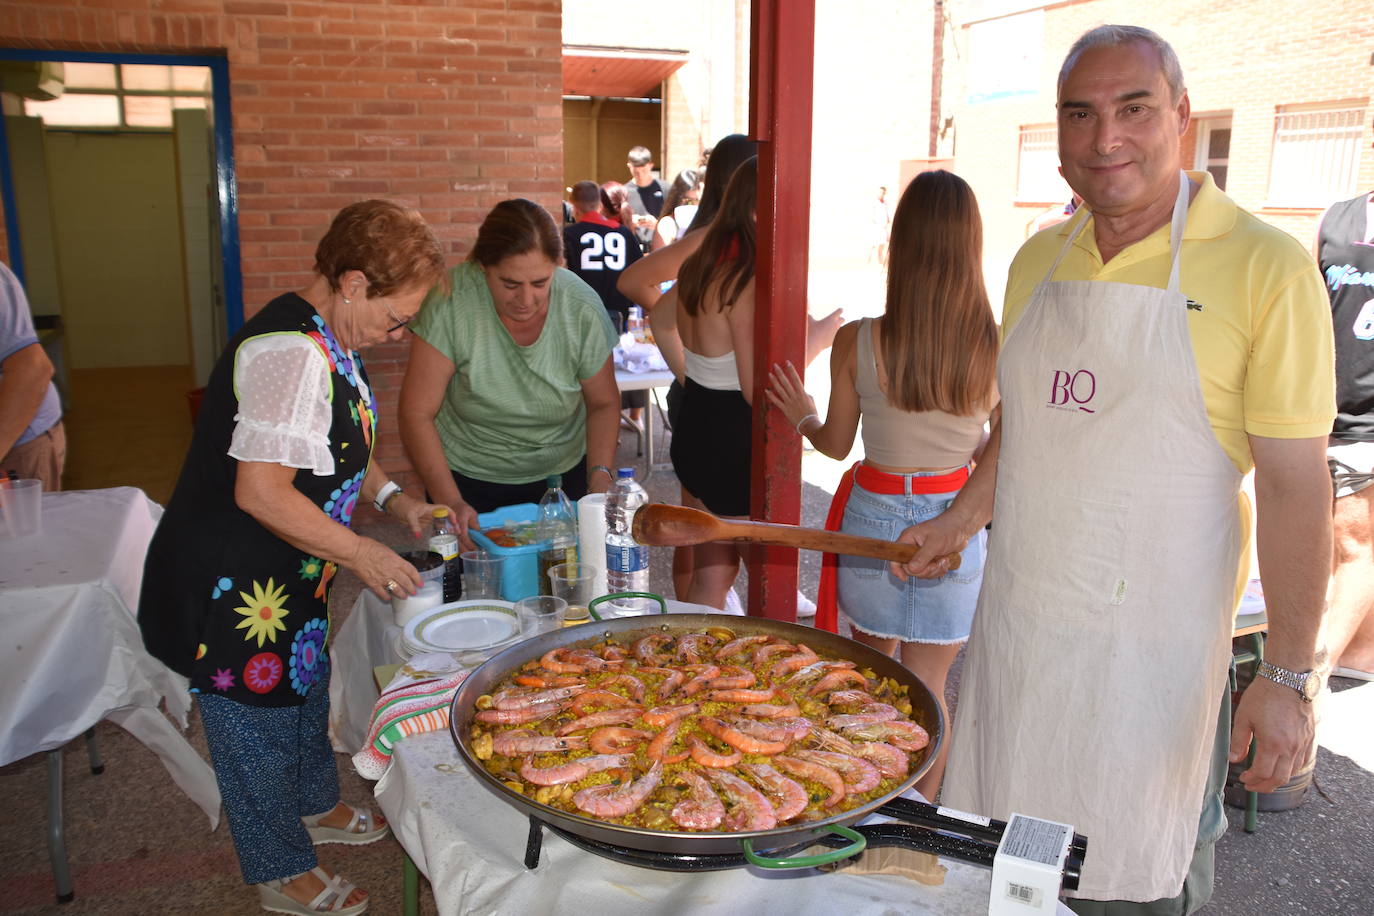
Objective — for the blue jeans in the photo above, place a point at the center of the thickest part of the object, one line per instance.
(938, 611)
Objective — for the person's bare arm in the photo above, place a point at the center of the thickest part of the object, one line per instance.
(820, 333)
(22, 389)
(414, 512)
(640, 281)
(834, 436)
(1293, 542)
(602, 398)
(663, 321)
(422, 392)
(267, 492)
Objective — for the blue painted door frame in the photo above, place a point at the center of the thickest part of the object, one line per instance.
(224, 162)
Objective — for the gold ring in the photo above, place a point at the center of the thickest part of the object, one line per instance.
(391, 585)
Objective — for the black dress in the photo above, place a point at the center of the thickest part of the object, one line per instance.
(225, 602)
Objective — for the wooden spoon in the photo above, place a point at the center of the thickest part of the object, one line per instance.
(661, 525)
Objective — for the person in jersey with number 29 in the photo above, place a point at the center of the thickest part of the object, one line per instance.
(510, 377)
(1156, 346)
(922, 378)
(598, 248)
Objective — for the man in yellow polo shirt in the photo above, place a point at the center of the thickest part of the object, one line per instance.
(1155, 347)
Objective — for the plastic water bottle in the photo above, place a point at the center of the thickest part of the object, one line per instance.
(627, 560)
(443, 540)
(558, 526)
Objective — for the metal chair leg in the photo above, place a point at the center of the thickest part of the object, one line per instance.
(411, 896)
(57, 844)
(93, 752)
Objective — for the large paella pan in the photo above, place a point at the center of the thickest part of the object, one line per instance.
(471, 731)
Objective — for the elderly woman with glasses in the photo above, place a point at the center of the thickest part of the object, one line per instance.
(236, 581)
(510, 379)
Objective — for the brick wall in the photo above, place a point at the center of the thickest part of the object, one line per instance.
(445, 105)
(1246, 59)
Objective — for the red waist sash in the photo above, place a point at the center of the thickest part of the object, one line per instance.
(874, 481)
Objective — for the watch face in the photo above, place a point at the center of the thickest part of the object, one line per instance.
(1311, 685)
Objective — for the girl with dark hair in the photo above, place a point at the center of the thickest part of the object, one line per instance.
(712, 311)
(923, 377)
(680, 207)
(643, 281)
(510, 379)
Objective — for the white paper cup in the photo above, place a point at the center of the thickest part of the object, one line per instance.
(21, 509)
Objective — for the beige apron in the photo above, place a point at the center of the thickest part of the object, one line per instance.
(1100, 645)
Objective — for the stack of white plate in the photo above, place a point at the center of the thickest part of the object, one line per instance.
(472, 629)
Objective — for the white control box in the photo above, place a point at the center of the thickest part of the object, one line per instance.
(1029, 867)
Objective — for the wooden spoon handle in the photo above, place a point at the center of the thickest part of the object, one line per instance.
(828, 541)
(679, 526)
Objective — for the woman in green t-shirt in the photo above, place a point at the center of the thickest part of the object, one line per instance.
(510, 378)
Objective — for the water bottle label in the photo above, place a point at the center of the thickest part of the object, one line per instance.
(626, 559)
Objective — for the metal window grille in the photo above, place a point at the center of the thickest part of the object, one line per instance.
(1316, 157)
(1037, 166)
(127, 97)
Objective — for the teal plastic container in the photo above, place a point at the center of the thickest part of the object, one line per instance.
(520, 572)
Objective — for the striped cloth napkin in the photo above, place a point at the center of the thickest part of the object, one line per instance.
(416, 701)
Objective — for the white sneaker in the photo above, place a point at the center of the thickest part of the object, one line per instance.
(732, 605)
(805, 606)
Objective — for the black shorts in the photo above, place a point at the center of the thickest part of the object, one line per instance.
(712, 447)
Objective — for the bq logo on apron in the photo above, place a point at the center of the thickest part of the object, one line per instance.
(1071, 391)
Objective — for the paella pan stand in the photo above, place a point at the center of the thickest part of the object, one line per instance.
(917, 826)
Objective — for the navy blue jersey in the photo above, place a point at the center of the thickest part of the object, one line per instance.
(599, 253)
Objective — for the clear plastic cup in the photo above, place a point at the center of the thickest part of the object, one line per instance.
(21, 509)
(541, 614)
(481, 575)
(575, 584)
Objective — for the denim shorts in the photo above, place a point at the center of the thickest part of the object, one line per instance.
(920, 610)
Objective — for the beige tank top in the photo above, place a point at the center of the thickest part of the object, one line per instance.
(905, 439)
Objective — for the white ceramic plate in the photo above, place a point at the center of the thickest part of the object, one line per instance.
(463, 626)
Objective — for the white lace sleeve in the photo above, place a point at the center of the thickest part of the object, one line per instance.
(282, 382)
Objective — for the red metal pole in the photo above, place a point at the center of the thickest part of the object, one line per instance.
(783, 38)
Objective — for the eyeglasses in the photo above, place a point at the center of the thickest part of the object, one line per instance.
(394, 317)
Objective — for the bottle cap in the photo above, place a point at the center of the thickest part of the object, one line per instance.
(555, 481)
(441, 512)
(625, 472)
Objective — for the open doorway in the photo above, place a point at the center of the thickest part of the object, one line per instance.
(118, 188)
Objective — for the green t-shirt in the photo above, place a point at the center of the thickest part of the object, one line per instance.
(515, 414)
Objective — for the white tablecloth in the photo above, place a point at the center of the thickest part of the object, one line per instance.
(72, 653)
(367, 639)
(471, 846)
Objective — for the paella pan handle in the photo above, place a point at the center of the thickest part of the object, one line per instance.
(857, 842)
(591, 606)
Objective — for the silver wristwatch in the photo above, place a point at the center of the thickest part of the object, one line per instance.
(1306, 683)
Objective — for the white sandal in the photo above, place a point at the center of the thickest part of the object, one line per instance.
(362, 828)
(273, 898)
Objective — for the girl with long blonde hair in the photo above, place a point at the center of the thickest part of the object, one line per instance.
(923, 378)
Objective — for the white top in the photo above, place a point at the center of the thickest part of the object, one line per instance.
(718, 372)
(283, 385)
